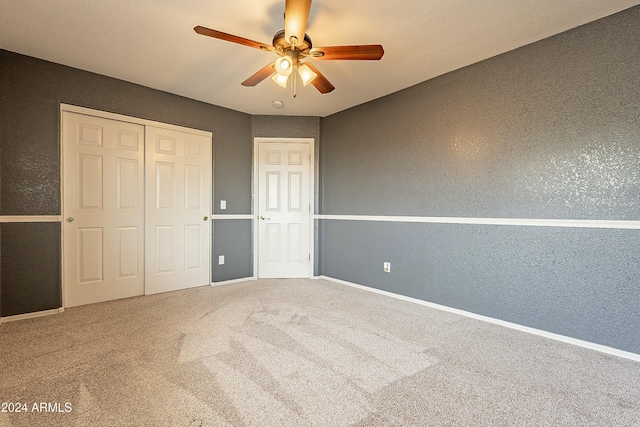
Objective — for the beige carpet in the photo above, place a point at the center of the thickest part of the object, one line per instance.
(300, 353)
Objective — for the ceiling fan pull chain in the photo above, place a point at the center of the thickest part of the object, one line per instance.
(294, 81)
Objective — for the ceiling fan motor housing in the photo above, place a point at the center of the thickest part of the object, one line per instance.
(283, 46)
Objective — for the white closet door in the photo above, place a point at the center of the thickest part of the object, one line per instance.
(283, 210)
(178, 200)
(103, 231)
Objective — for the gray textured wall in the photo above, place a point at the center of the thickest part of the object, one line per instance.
(237, 249)
(297, 127)
(30, 267)
(31, 91)
(581, 283)
(550, 130)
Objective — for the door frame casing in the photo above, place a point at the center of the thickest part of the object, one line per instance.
(130, 119)
(312, 197)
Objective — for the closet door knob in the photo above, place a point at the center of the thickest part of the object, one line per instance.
(70, 219)
(206, 218)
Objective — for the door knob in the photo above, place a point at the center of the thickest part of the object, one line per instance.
(206, 218)
(70, 219)
(263, 218)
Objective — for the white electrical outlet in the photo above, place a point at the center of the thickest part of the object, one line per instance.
(387, 267)
(223, 204)
(221, 260)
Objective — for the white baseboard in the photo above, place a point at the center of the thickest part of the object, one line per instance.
(31, 315)
(586, 344)
(229, 282)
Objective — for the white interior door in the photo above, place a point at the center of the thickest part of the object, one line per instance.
(178, 200)
(284, 210)
(103, 167)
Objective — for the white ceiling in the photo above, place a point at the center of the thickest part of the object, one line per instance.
(152, 42)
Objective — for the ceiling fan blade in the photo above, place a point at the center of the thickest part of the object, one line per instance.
(260, 75)
(370, 52)
(320, 82)
(296, 15)
(231, 38)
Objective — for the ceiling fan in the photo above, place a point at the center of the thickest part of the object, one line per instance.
(292, 46)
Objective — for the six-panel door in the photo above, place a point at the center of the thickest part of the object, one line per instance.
(103, 176)
(178, 194)
(283, 210)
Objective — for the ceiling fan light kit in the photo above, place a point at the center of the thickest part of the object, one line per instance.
(292, 45)
(306, 74)
(280, 80)
(284, 65)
